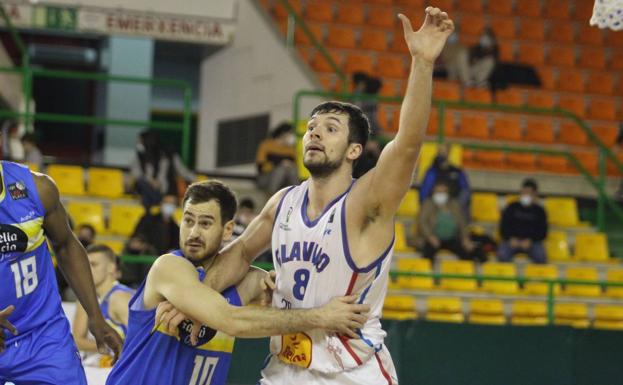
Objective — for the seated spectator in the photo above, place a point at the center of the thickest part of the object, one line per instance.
(114, 298)
(32, 154)
(86, 234)
(158, 228)
(524, 226)
(134, 273)
(245, 214)
(483, 58)
(441, 225)
(454, 176)
(275, 160)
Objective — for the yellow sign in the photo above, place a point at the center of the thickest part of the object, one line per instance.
(296, 349)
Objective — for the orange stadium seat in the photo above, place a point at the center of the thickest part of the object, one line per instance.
(546, 76)
(281, 13)
(326, 81)
(384, 2)
(300, 37)
(607, 132)
(553, 163)
(570, 80)
(383, 17)
(614, 39)
(583, 10)
(507, 127)
(556, 9)
(341, 37)
(398, 42)
(467, 158)
(490, 159)
(359, 62)
(561, 56)
(391, 66)
(446, 90)
(500, 7)
(474, 126)
(305, 53)
(600, 83)
(616, 60)
(395, 119)
(619, 87)
(531, 29)
(539, 130)
(410, 3)
(571, 133)
(589, 35)
(503, 27)
(477, 95)
(528, 8)
(592, 58)
(521, 161)
(375, 40)
(389, 89)
(589, 160)
(319, 11)
(473, 6)
(321, 64)
(507, 51)
(472, 24)
(350, 13)
(602, 108)
(510, 96)
(433, 123)
(560, 32)
(573, 103)
(531, 53)
(445, 5)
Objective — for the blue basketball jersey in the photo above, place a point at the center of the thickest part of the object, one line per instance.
(119, 328)
(26, 270)
(155, 356)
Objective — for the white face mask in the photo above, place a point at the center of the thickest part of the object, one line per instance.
(486, 41)
(167, 209)
(140, 147)
(291, 140)
(440, 198)
(525, 200)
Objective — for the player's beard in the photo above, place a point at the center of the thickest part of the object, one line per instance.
(203, 258)
(323, 168)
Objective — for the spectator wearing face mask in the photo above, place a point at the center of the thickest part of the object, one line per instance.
(483, 58)
(455, 58)
(86, 234)
(524, 226)
(455, 177)
(441, 225)
(275, 160)
(158, 228)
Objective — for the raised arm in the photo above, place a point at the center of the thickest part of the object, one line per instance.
(386, 184)
(172, 278)
(233, 261)
(72, 259)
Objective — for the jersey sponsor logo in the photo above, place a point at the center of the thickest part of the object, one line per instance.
(296, 349)
(18, 190)
(12, 240)
(205, 333)
(285, 226)
(307, 252)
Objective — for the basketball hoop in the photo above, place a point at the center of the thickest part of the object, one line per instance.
(608, 14)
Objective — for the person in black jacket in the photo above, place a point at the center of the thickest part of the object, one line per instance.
(524, 226)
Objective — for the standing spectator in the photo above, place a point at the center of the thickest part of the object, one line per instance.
(483, 57)
(275, 160)
(441, 225)
(524, 226)
(32, 154)
(455, 178)
(245, 214)
(86, 234)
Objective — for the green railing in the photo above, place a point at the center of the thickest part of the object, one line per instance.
(551, 283)
(29, 74)
(599, 184)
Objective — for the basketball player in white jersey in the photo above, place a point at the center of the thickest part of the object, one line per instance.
(332, 235)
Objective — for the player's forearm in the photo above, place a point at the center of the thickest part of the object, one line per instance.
(86, 345)
(257, 322)
(415, 108)
(230, 267)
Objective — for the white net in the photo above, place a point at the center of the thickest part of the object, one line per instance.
(608, 14)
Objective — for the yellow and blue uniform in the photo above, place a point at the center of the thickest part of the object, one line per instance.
(44, 351)
(119, 327)
(155, 356)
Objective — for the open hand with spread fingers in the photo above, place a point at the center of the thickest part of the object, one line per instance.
(427, 42)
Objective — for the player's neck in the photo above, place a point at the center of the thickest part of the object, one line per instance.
(324, 190)
(105, 287)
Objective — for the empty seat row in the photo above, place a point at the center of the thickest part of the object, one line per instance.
(122, 218)
(101, 182)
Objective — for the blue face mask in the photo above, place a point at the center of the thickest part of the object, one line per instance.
(167, 209)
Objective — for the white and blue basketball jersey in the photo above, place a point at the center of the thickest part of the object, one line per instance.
(313, 264)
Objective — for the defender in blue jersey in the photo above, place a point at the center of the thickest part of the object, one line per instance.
(164, 354)
(114, 298)
(43, 351)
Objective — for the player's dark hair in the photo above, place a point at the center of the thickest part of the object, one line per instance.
(200, 192)
(358, 123)
(530, 183)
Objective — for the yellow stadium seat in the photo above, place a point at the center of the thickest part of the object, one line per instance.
(32, 166)
(69, 179)
(124, 218)
(562, 211)
(428, 153)
(399, 303)
(572, 314)
(201, 178)
(458, 267)
(584, 274)
(116, 245)
(556, 246)
(608, 317)
(105, 182)
(91, 213)
(444, 309)
(401, 238)
(177, 215)
(499, 269)
(484, 207)
(614, 276)
(399, 315)
(528, 313)
(591, 247)
(487, 312)
(410, 205)
(418, 265)
(540, 271)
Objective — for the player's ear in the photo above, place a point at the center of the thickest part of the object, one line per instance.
(228, 230)
(354, 151)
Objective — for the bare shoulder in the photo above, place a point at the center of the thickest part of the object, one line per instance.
(170, 264)
(273, 203)
(47, 189)
(120, 297)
